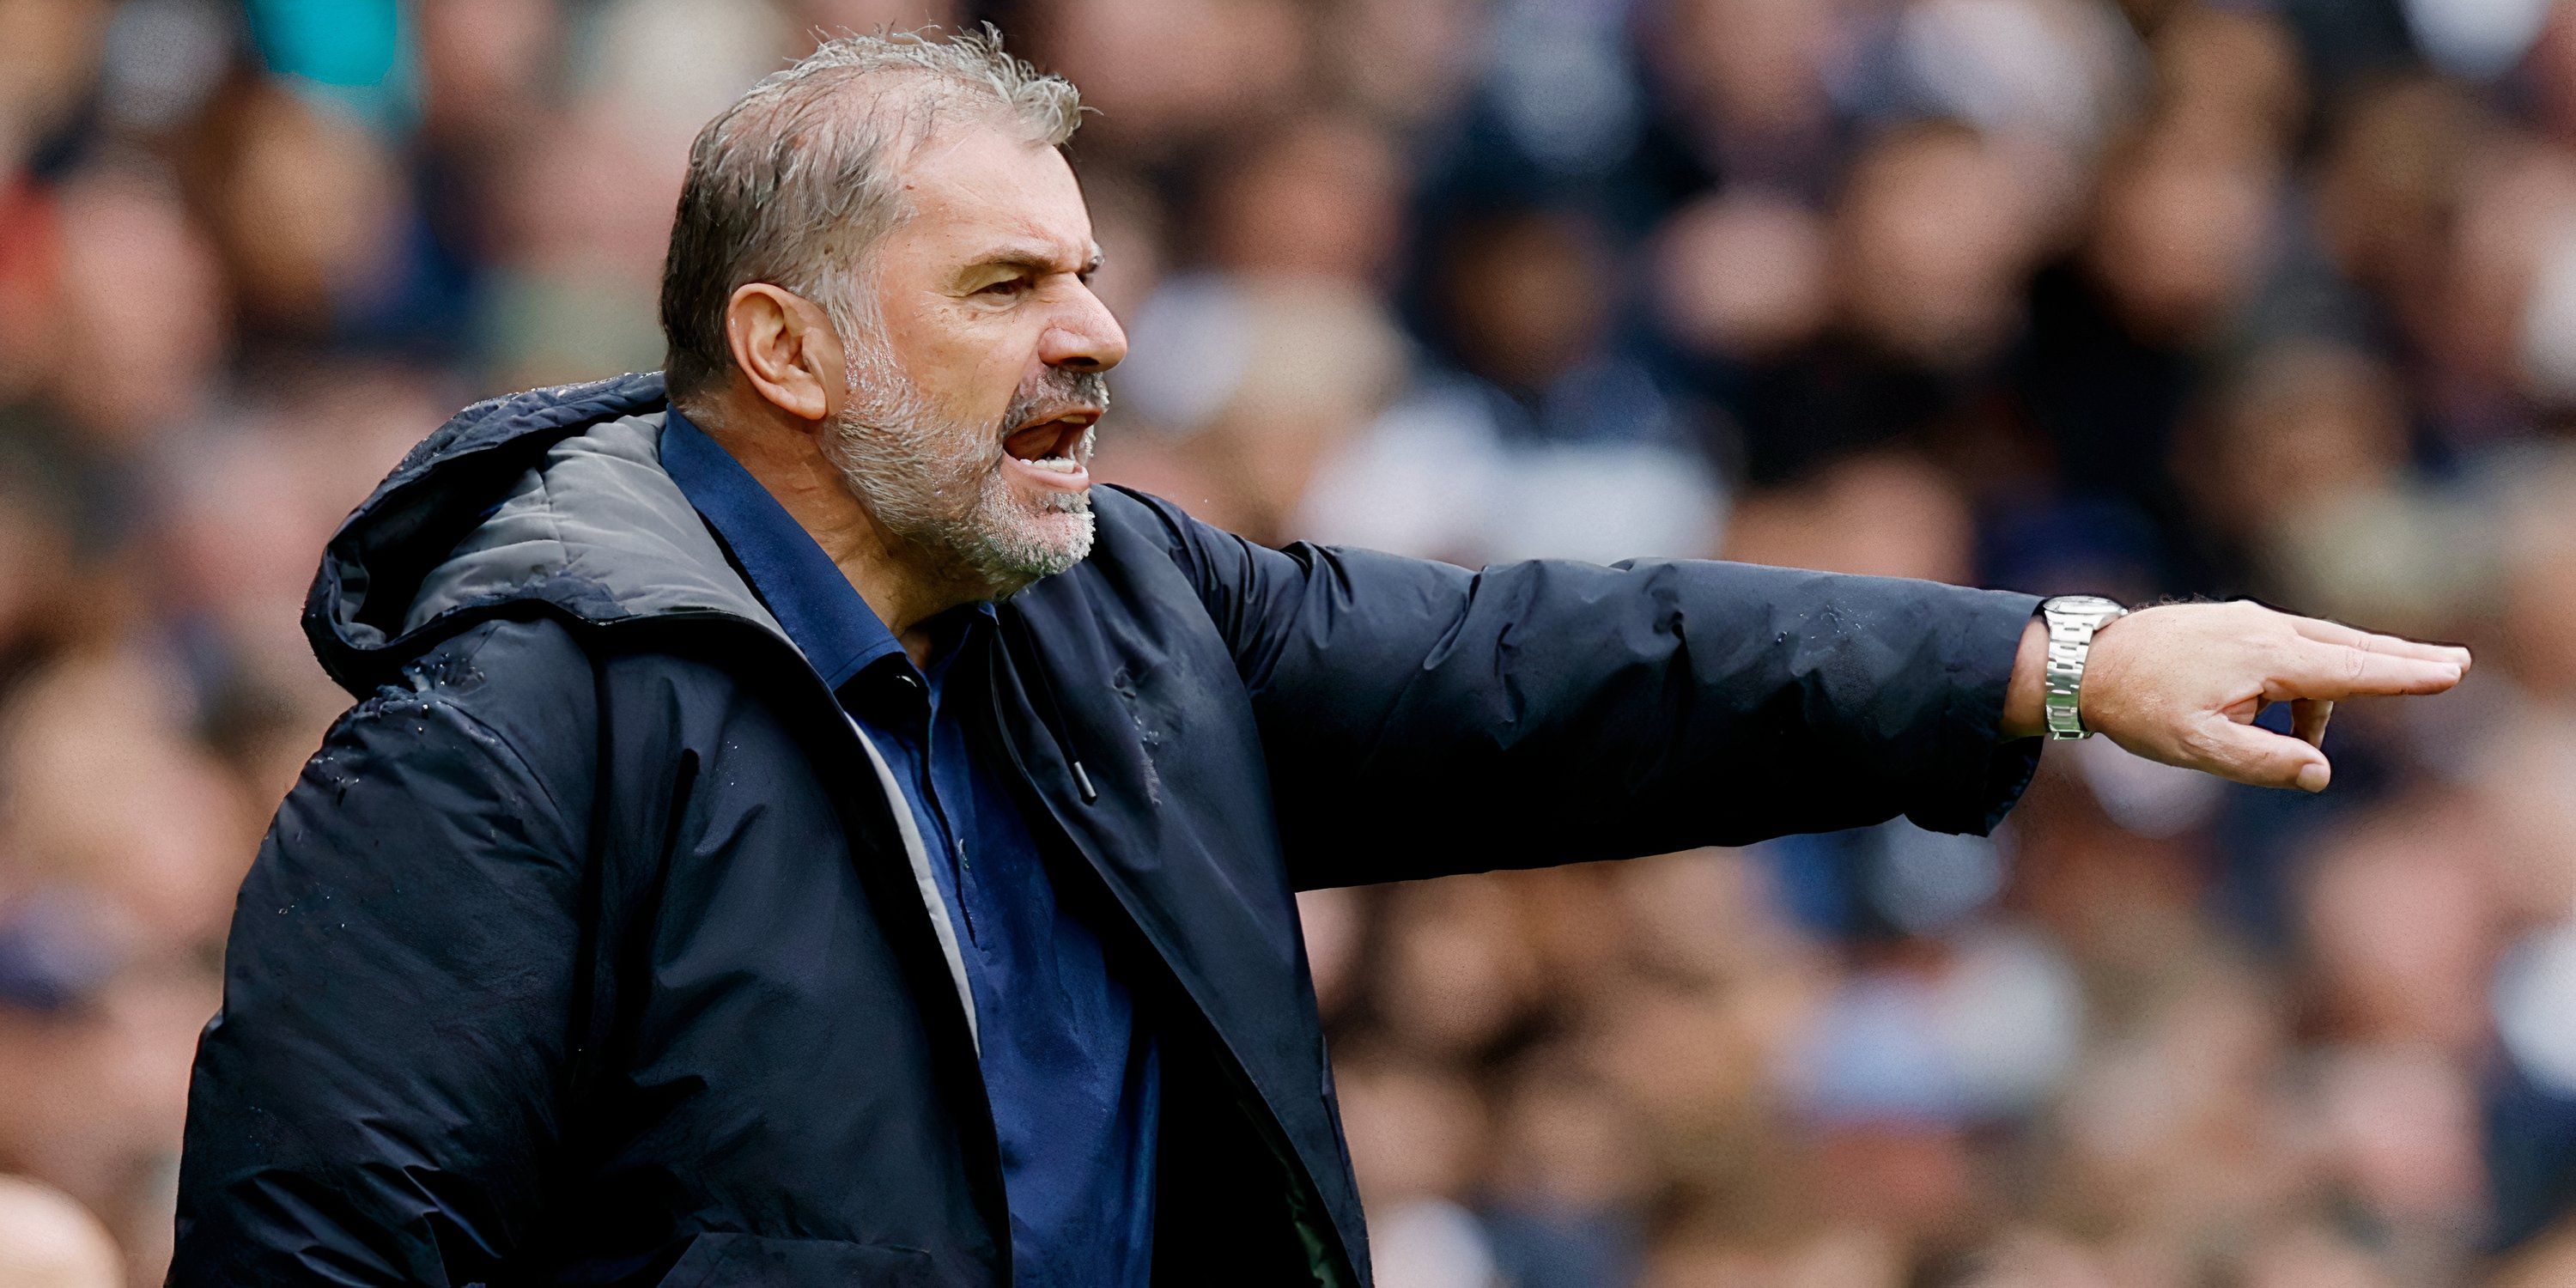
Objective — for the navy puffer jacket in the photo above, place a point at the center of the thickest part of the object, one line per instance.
(586, 950)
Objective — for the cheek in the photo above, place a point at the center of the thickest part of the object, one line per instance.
(969, 365)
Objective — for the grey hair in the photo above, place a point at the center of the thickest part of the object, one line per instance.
(797, 181)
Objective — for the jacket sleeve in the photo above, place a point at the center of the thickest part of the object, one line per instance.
(374, 1102)
(1422, 719)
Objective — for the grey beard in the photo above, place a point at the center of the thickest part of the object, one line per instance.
(937, 486)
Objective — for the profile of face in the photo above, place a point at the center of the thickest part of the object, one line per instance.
(976, 376)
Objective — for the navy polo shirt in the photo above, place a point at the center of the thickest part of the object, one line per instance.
(1069, 1069)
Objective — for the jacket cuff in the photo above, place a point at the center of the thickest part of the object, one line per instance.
(1974, 774)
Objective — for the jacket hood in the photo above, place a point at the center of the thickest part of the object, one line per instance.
(549, 501)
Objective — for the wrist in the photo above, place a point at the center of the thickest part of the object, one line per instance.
(2025, 712)
(2050, 692)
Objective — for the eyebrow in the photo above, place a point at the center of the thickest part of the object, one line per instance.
(1034, 257)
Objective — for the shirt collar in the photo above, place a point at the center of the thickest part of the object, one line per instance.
(813, 602)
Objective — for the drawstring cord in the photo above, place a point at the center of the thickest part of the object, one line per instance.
(1050, 711)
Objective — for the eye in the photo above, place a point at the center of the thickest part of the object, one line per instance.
(1007, 287)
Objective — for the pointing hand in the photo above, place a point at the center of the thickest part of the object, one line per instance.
(2182, 683)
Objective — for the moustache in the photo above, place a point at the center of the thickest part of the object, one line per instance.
(1056, 392)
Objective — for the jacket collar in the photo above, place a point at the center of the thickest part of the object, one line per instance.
(802, 587)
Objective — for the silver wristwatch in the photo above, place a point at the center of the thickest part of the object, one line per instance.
(2072, 620)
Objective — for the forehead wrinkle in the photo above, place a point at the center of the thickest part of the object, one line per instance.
(1001, 230)
(975, 204)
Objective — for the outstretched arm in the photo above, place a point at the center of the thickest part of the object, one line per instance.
(1423, 719)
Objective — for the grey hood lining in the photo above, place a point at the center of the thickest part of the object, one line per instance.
(598, 512)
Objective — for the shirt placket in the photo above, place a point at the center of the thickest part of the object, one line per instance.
(919, 705)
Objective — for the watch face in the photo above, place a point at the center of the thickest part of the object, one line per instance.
(2082, 605)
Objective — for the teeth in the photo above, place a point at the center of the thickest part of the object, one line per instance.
(1058, 464)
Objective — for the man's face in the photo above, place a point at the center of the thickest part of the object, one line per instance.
(967, 426)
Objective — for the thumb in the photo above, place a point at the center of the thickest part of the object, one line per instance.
(2252, 754)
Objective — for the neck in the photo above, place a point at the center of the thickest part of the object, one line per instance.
(902, 585)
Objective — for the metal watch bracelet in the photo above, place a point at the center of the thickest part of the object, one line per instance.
(2072, 622)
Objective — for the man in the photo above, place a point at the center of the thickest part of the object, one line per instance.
(794, 830)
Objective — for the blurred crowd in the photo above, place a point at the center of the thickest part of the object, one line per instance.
(2150, 298)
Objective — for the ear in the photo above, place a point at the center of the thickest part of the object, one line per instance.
(784, 345)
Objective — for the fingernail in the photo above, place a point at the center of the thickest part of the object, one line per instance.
(2313, 778)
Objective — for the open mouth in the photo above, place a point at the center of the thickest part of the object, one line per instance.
(1052, 445)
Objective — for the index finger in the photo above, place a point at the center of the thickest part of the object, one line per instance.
(2337, 671)
(2336, 633)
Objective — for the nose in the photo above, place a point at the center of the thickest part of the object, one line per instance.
(1084, 337)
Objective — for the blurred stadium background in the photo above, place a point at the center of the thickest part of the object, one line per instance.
(2155, 298)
